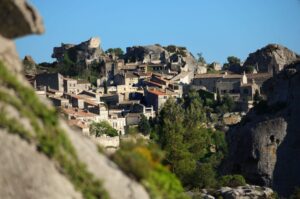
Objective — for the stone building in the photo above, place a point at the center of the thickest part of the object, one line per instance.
(49, 80)
(70, 86)
(157, 98)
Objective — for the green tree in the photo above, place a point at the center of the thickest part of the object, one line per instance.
(228, 102)
(187, 143)
(102, 128)
(144, 125)
(232, 60)
(116, 51)
(201, 59)
(233, 64)
(249, 69)
(205, 176)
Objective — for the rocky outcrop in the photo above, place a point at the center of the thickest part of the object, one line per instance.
(271, 58)
(241, 192)
(264, 147)
(176, 58)
(84, 53)
(29, 65)
(41, 157)
(18, 18)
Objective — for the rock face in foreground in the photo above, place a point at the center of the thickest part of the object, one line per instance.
(264, 147)
(27, 174)
(41, 157)
(271, 58)
(18, 18)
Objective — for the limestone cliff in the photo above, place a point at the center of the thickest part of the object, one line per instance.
(264, 147)
(271, 58)
(84, 53)
(41, 157)
(177, 58)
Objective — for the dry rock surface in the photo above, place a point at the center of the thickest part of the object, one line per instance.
(242, 192)
(178, 58)
(264, 146)
(271, 58)
(25, 172)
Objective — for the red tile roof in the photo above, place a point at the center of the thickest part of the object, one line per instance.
(156, 92)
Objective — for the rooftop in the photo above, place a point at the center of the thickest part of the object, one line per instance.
(78, 123)
(78, 112)
(156, 92)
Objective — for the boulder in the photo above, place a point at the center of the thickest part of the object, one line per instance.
(271, 58)
(242, 192)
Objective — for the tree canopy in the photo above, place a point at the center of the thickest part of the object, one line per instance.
(101, 128)
(191, 149)
(117, 51)
(201, 59)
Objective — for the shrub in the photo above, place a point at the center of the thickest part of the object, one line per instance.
(232, 181)
(142, 162)
(161, 183)
(144, 125)
(296, 194)
(205, 176)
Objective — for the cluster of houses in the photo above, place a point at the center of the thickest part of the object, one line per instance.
(128, 90)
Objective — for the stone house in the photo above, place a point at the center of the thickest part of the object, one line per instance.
(50, 81)
(207, 80)
(128, 79)
(79, 114)
(133, 119)
(158, 98)
(58, 101)
(118, 123)
(70, 86)
(83, 85)
(247, 92)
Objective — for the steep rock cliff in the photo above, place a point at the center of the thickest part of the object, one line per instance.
(264, 147)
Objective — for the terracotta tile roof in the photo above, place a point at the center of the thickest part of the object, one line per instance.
(156, 92)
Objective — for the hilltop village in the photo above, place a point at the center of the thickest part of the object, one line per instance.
(90, 86)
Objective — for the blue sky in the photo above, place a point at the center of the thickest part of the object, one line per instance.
(217, 28)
